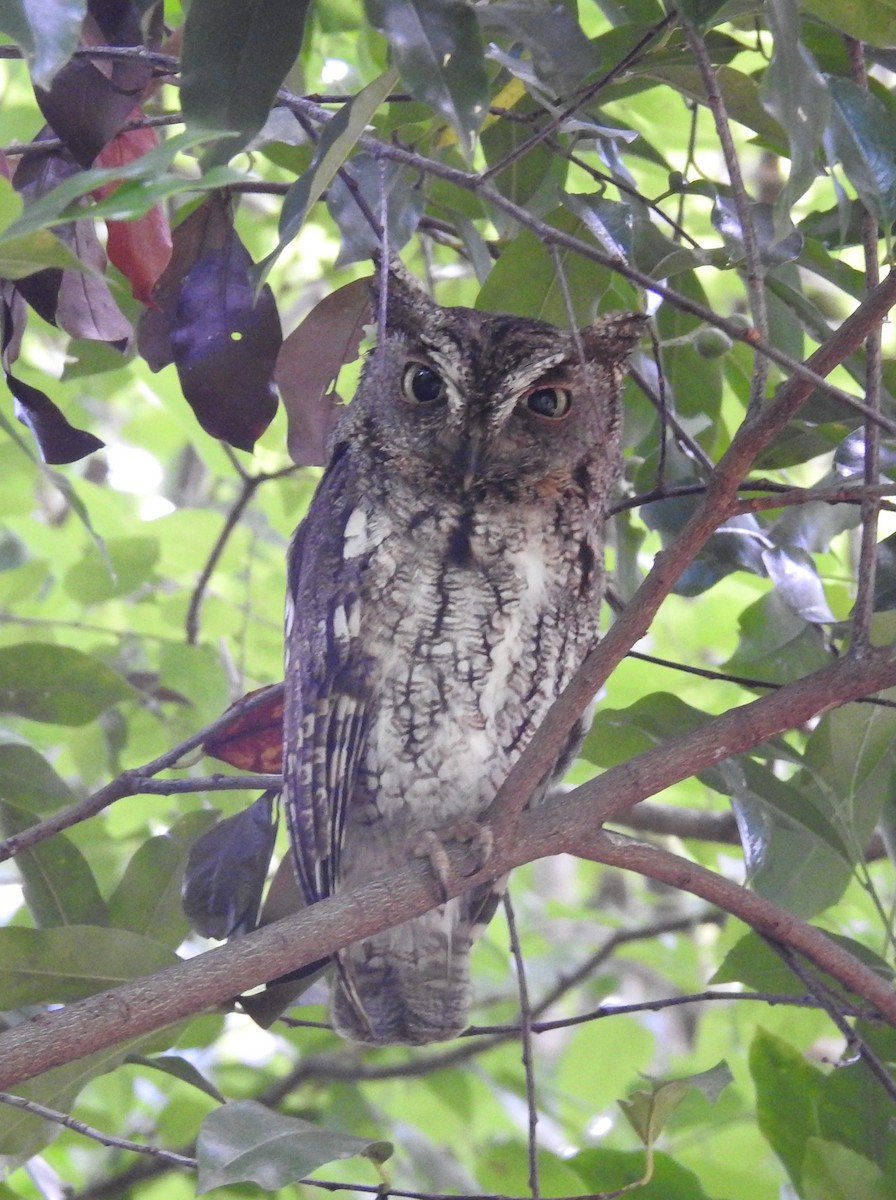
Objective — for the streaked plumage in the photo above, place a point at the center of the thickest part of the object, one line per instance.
(443, 588)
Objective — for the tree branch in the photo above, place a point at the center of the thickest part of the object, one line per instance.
(567, 824)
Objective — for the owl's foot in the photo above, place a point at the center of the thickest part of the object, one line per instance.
(427, 844)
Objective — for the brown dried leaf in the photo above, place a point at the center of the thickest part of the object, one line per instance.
(308, 363)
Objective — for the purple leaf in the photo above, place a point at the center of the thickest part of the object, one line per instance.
(86, 105)
(208, 227)
(226, 871)
(58, 441)
(225, 344)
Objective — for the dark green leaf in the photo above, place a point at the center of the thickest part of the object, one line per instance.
(336, 143)
(752, 961)
(863, 140)
(525, 279)
(832, 1172)
(374, 182)
(178, 1068)
(700, 12)
(438, 51)
(561, 54)
(236, 54)
(57, 684)
(246, 1142)
(794, 91)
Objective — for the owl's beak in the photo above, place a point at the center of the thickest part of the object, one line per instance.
(470, 456)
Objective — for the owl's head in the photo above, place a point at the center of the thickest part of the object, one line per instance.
(469, 401)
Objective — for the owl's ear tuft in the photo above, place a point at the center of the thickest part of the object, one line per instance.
(610, 340)
(406, 301)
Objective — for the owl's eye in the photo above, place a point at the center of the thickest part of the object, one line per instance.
(549, 402)
(422, 385)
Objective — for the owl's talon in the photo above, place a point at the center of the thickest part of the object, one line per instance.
(427, 844)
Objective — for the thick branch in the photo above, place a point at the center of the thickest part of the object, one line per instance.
(569, 823)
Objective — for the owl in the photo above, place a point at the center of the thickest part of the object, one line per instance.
(443, 588)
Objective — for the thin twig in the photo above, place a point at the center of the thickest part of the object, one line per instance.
(525, 1036)
(247, 491)
(168, 1157)
(130, 783)
(866, 574)
(584, 97)
(752, 256)
(833, 1005)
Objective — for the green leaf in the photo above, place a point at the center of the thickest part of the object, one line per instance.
(178, 1068)
(335, 145)
(700, 12)
(437, 48)
(121, 568)
(59, 885)
(147, 899)
(236, 54)
(28, 781)
(55, 207)
(871, 21)
(603, 1171)
(55, 966)
(648, 1111)
(46, 32)
(863, 141)
(525, 279)
(787, 1095)
(833, 1172)
(752, 961)
(794, 92)
(246, 1142)
(57, 684)
(23, 1135)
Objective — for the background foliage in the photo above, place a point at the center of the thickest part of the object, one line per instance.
(548, 160)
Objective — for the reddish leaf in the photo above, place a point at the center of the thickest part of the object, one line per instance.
(225, 342)
(141, 249)
(5, 169)
(206, 228)
(253, 742)
(309, 361)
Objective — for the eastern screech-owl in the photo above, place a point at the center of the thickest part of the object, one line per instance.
(443, 588)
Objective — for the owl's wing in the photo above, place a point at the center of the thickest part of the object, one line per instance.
(326, 696)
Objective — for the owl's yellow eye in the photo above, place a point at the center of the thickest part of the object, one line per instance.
(422, 385)
(550, 402)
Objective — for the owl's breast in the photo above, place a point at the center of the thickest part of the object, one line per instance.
(471, 630)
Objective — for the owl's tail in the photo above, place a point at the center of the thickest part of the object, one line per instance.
(409, 985)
